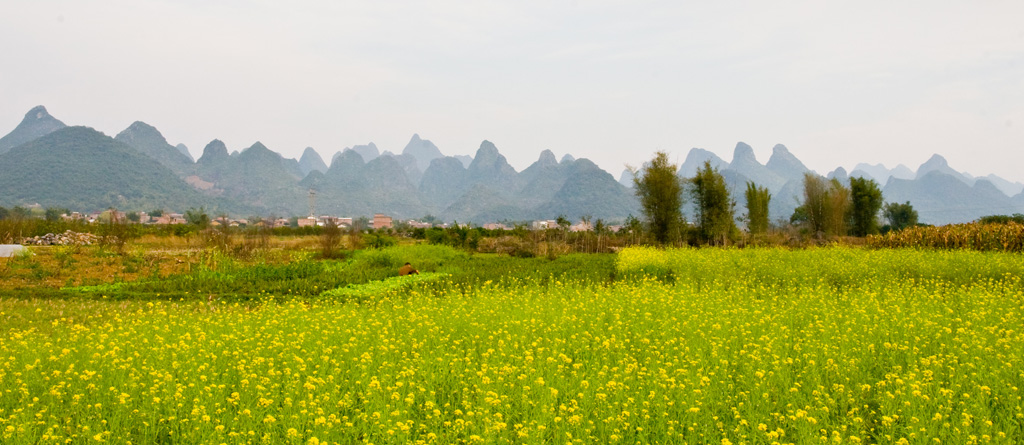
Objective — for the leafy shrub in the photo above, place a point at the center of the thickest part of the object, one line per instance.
(386, 287)
(378, 240)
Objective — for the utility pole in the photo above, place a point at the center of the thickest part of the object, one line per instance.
(312, 204)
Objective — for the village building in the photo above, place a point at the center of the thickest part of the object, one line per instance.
(418, 224)
(496, 226)
(170, 218)
(544, 224)
(74, 216)
(583, 226)
(381, 221)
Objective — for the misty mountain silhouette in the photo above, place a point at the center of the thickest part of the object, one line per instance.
(43, 161)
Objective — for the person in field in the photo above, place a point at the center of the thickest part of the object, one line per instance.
(407, 269)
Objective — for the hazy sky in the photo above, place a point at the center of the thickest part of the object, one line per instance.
(836, 82)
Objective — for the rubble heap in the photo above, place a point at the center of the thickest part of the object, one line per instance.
(62, 239)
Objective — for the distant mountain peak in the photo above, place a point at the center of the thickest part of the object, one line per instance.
(744, 164)
(36, 124)
(939, 164)
(547, 158)
(348, 157)
(184, 150)
(139, 125)
(902, 172)
(743, 153)
(490, 165)
(695, 161)
(141, 132)
(986, 186)
(215, 150)
(487, 156)
(626, 178)
(311, 161)
(487, 147)
(423, 151)
(840, 174)
(878, 172)
(39, 172)
(256, 146)
(785, 164)
(37, 112)
(258, 151)
(780, 149)
(567, 159)
(148, 140)
(1007, 187)
(865, 166)
(368, 152)
(936, 161)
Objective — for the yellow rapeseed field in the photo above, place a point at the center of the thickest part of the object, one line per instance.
(752, 346)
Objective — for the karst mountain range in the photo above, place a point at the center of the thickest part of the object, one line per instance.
(45, 162)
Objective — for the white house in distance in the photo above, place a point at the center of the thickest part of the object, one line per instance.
(412, 223)
(322, 220)
(544, 224)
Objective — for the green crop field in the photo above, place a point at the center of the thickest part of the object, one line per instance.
(754, 346)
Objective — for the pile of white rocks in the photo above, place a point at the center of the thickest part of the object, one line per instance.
(62, 239)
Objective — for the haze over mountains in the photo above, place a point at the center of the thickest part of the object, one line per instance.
(46, 162)
(940, 194)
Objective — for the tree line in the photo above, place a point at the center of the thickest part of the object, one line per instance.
(830, 208)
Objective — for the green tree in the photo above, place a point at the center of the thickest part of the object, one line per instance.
(634, 228)
(600, 229)
(563, 222)
(1002, 219)
(757, 208)
(584, 236)
(815, 204)
(20, 213)
(900, 216)
(838, 209)
(54, 213)
(713, 205)
(330, 238)
(197, 217)
(867, 202)
(825, 206)
(361, 223)
(661, 198)
(115, 231)
(799, 216)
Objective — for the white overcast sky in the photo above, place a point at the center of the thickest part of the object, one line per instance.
(836, 82)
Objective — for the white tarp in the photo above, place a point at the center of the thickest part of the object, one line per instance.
(9, 250)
